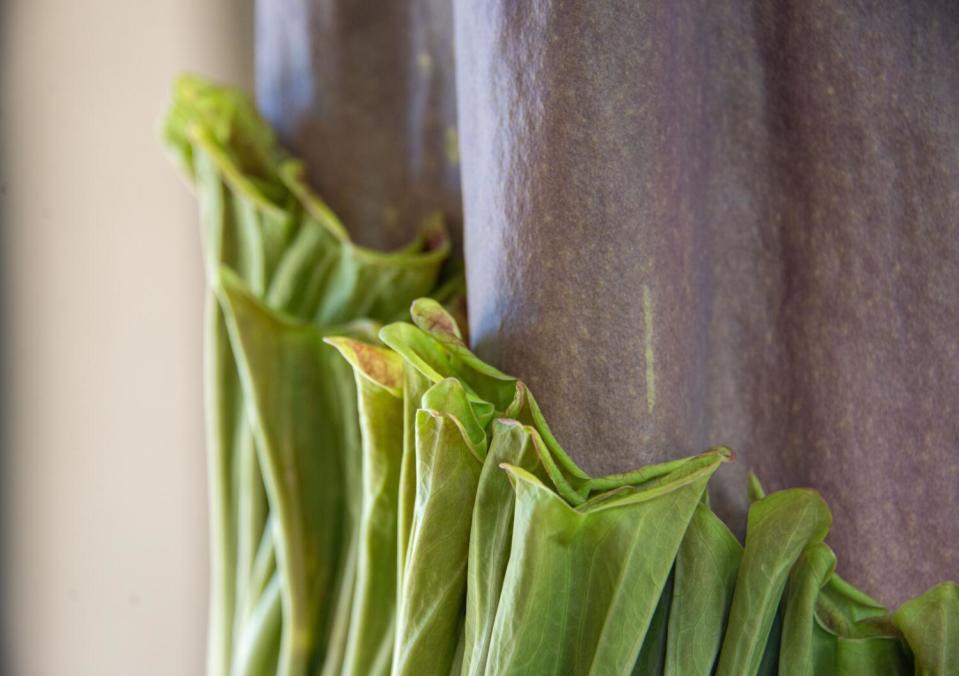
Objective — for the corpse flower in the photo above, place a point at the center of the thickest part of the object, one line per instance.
(382, 501)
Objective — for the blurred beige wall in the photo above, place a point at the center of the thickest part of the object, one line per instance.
(104, 494)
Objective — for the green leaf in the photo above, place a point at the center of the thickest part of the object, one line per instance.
(831, 627)
(230, 231)
(610, 557)
(298, 395)
(652, 656)
(287, 249)
(258, 644)
(930, 623)
(379, 378)
(754, 489)
(780, 526)
(705, 578)
(491, 532)
(799, 652)
(433, 581)
(435, 361)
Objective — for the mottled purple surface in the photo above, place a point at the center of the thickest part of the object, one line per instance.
(694, 223)
(687, 223)
(364, 91)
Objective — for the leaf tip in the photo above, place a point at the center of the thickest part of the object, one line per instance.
(433, 318)
(379, 365)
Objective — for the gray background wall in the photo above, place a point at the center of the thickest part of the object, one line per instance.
(104, 557)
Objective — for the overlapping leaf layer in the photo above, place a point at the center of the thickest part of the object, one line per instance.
(383, 502)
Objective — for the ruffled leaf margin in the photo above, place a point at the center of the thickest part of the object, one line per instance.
(384, 502)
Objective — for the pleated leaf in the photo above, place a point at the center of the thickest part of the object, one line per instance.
(379, 379)
(449, 457)
(582, 583)
(705, 578)
(780, 526)
(930, 623)
(295, 389)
